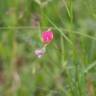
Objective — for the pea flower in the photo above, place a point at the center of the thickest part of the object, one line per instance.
(47, 37)
(40, 52)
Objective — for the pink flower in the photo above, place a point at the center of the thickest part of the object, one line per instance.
(47, 36)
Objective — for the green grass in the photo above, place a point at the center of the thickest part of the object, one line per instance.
(68, 68)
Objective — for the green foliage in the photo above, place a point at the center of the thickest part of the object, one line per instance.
(68, 68)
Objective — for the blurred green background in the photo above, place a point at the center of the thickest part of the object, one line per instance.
(68, 68)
